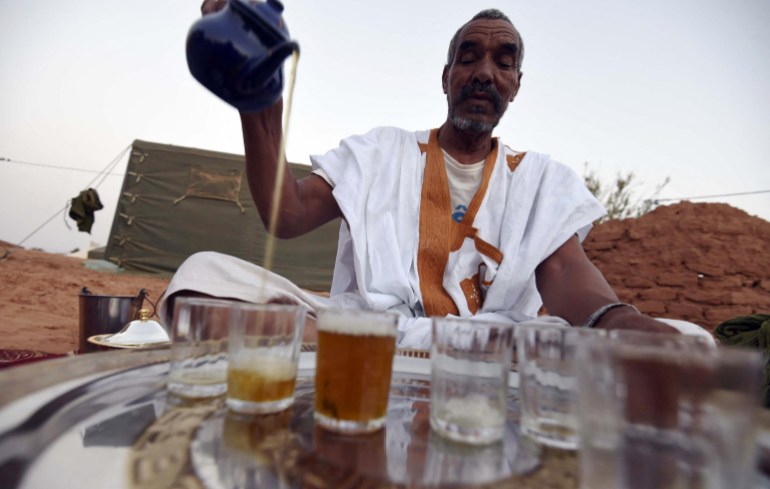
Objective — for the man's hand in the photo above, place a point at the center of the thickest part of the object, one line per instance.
(630, 319)
(211, 6)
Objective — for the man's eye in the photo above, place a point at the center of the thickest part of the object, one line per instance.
(467, 58)
(506, 62)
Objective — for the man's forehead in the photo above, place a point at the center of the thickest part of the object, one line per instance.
(495, 28)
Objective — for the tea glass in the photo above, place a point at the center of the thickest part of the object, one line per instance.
(199, 347)
(546, 361)
(354, 364)
(470, 365)
(658, 411)
(265, 341)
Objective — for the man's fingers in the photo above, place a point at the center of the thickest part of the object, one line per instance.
(211, 6)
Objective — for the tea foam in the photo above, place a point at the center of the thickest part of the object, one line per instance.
(358, 323)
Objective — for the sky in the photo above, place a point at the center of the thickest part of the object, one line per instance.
(661, 88)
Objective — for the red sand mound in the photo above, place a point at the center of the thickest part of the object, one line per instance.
(704, 263)
(700, 262)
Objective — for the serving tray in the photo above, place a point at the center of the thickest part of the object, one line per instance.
(122, 429)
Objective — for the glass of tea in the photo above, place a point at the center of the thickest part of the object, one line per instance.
(353, 369)
(265, 341)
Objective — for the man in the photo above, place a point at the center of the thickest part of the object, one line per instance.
(448, 221)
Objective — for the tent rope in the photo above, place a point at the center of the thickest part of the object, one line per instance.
(102, 174)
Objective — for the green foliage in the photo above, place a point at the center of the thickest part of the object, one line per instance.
(621, 197)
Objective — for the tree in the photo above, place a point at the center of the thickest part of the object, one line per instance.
(621, 198)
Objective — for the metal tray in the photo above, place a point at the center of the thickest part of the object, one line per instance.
(122, 429)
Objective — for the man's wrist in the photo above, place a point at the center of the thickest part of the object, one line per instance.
(597, 315)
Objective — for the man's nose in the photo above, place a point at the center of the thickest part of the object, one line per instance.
(484, 70)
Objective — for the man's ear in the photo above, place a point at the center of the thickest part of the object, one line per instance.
(445, 78)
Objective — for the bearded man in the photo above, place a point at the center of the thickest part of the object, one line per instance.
(448, 221)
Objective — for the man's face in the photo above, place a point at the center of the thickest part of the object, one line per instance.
(483, 78)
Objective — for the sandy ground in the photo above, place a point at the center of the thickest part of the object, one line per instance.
(39, 298)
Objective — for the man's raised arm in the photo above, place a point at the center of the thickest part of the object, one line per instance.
(305, 204)
(574, 289)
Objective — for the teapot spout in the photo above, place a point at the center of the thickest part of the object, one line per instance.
(267, 75)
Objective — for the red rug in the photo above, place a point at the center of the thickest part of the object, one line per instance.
(10, 358)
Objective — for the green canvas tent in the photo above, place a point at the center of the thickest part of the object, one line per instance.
(176, 201)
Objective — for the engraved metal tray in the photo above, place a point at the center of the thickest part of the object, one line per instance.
(120, 428)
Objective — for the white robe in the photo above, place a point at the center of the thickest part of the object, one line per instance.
(527, 214)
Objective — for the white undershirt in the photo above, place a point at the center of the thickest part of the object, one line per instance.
(464, 180)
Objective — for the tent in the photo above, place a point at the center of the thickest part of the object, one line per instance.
(176, 201)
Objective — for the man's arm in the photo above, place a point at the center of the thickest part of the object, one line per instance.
(305, 204)
(573, 288)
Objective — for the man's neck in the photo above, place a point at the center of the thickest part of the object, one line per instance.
(466, 147)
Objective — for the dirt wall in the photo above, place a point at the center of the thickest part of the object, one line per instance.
(704, 263)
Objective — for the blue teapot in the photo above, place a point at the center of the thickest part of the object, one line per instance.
(238, 53)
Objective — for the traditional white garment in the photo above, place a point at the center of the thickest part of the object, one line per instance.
(532, 206)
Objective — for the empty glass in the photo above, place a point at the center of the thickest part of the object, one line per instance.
(546, 360)
(199, 347)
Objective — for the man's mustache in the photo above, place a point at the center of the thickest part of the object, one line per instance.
(477, 87)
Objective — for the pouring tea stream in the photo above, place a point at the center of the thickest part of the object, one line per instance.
(238, 53)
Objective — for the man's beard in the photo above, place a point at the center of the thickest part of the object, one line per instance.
(465, 124)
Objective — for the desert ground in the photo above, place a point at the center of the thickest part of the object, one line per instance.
(39, 298)
(705, 263)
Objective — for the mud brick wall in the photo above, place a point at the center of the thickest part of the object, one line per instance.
(704, 263)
